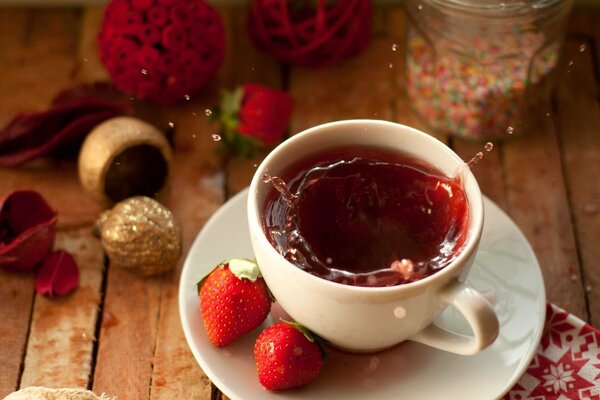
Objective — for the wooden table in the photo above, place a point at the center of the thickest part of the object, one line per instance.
(120, 334)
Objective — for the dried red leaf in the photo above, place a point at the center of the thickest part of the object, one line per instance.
(27, 229)
(63, 126)
(58, 275)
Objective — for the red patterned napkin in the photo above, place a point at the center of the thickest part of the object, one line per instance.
(567, 362)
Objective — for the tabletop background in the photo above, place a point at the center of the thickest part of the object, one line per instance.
(119, 333)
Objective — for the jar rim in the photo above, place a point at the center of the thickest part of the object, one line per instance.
(506, 7)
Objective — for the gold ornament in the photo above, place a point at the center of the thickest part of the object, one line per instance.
(124, 157)
(141, 235)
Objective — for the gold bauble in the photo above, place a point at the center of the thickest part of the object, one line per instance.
(124, 157)
(141, 235)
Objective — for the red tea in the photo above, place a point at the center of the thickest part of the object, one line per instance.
(366, 217)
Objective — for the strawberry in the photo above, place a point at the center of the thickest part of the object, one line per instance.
(253, 117)
(234, 299)
(287, 355)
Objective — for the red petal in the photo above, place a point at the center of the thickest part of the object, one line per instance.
(27, 229)
(69, 136)
(58, 275)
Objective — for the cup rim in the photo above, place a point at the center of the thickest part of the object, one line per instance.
(470, 246)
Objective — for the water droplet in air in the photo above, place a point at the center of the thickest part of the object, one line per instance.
(394, 47)
(582, 48)
(573, 278)
(475, 159)
(208, 112)
(193, 113)
(85, 59)
(171, 125)
(328, 260)
(571, 63)
(510, 130)
(193, 135)
(547, 114)
(591, 208)
(488, 146)
(420, 6)
(255, 165)
(187, 97)
(391, 65)
(588, 288)
(216, 137)
(371, 280)
(144, 71)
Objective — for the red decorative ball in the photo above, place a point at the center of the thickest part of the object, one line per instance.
(310, 34)
(161, 50)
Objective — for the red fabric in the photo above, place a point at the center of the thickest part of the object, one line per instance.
(567, 363)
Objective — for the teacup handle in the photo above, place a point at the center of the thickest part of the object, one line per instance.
(477, 311)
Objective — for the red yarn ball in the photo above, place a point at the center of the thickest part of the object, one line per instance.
(315, 34)
(161, 50)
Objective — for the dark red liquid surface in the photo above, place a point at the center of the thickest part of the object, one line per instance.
(367, 217)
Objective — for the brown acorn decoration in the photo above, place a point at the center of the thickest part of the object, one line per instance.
(141, 235)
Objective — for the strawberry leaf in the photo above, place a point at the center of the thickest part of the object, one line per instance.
(311, 336)
(245, 269)
(58, 275)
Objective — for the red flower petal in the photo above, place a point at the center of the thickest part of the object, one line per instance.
(27, 229)
(58, 275)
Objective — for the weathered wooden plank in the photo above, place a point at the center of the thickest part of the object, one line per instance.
(578, 117)
(360, 87)
(16, 295)
(59, 350)
(538, 203)
(127, 334)
(89, 67)
(36, 62)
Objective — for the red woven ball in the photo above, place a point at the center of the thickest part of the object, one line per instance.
(314, 33)
(161, 50)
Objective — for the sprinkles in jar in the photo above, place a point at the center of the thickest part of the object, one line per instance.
(475, 67)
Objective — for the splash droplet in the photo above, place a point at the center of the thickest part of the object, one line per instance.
(571, 63)
(171, 124)
(591, 208)
(582, 48)
(144, 71)
(475, 159)
(187, 97)
(208, 112)
(395, 47)
(420, 7)
(391, 65)
(193, 135)
(488, 146)
(266, 178)
(510, 130)
(216, 137)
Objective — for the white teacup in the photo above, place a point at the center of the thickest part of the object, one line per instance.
(368, 319)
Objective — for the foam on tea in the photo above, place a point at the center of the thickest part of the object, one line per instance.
(366, 217)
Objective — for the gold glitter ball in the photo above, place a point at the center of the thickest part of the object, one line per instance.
(141, 235)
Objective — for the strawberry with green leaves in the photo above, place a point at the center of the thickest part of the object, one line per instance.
(287, 355)
(253, 117)
(234, 299)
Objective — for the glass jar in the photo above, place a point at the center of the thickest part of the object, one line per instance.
(475, 67)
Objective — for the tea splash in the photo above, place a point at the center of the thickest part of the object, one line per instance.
(366, 217)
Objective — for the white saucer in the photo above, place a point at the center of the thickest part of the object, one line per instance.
(505, 269)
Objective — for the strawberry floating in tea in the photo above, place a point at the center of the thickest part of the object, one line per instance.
(234, 299)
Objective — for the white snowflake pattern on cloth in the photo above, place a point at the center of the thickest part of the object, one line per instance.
(558, 378)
